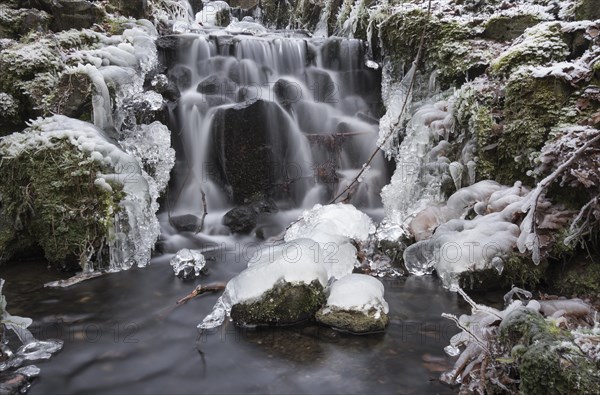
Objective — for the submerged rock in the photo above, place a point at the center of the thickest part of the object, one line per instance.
(356, 305)
(186, 222)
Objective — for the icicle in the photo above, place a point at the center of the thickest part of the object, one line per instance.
(456, 171)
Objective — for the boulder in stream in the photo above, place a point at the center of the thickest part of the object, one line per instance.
(240, 219)
(355, 304)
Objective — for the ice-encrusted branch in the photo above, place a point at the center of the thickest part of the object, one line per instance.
(575, 230)
(479, 341)
(366, 166)
(528, 240)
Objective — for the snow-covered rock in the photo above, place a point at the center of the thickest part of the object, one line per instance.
(355, 304)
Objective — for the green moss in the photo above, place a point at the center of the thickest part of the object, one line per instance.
(586, 10)
(543, 44)
(475, 113)
(277, 13)
(50, 199)
(505, 28)
(450, 47)
(353, 321)
(532, 107)
(284, 304)
(578, 276)
(548, 362)
(518, 270)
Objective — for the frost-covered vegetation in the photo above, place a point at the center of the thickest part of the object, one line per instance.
(531, 346)
(84, 194)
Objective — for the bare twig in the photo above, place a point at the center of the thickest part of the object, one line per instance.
(404, 105)
(199, 290)
(541, 187)
(205, 211)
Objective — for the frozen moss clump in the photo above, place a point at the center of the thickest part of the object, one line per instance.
(548, 361)
(71, 191)
(542, 44)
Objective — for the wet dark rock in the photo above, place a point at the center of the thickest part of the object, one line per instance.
(181, 76)
(137, 9)
(284, 304)
(321, 84)
(287, 92)
(74, 14)
(186, 222)
(242, 135)
(170, 47)
(196, 5)
(217, 85)
(265, 205)
(75, 93)
(241, 219)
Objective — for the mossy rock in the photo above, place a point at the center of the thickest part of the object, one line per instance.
(532, 108)
(587, 10)
(276, 13)
(548, 362)
(579, 276)
(507, 28)
(518, 270)
(353, 321)
(541, 45)
(49, 199)
(478, 113)
(10, 114)
(137, 9)
(18, 22)
(284, 304)
(450, 47)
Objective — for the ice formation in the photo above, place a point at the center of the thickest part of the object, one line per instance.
(338, 219)
(458, 244)
(421, 167)
(317, 247)
(188, 263)
(135, 228)
(31, 348)
(121, 63)
(357, 292)
(333, 227)
(299, 262)
(210, 13)
(478, 338)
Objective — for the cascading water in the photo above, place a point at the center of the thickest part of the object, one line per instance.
(279, 116)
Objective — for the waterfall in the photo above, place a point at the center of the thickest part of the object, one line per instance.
(286, 117)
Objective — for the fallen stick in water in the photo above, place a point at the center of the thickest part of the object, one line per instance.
(201, 289)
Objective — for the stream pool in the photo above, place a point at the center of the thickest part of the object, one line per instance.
(123, 335)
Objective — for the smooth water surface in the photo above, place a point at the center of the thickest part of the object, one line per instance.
(122, 335)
